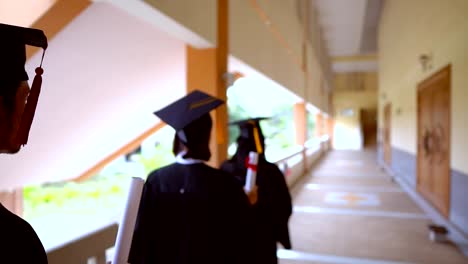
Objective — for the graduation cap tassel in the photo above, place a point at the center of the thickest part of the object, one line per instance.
(30, 109)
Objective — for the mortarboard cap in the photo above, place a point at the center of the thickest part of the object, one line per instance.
(12, 59)
(246, 125)
(13, 52)
(188, 109)
(250, 129)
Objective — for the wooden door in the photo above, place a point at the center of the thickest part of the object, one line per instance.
(386, 134)
(434, 140)
(369, 127)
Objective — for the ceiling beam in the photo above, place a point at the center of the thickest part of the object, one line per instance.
(355, 58)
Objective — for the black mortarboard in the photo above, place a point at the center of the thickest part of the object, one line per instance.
(187, 110)
(250, 129)
(12, 59)
(13, 52)
(246, 126)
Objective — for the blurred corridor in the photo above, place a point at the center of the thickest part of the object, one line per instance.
(366, 99)
(347, 210)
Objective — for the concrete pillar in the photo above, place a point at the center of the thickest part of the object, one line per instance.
(13, 201)
(318, 125)
(206, 69)
(300, 124)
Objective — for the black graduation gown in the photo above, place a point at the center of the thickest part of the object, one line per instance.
(272, 210)
(191, 214)
(19, 243)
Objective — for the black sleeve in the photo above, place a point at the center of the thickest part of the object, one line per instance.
(37, 253)
(227, 166)
(142, 235)
(240, 227)
(283, 205)
(284, 197)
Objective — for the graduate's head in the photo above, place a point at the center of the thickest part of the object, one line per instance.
(194, 139)
(190, 118)
(14, 87)
(251, 136)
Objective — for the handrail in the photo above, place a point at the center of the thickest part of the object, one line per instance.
(122, 151)
(300, 151)
(290, 155)
(80, 251)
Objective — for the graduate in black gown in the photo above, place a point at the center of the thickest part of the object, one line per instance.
(190, 212)
(273, 207)
(15, 115)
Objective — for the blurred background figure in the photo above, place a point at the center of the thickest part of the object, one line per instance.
(190, 212)
(14, 88)
(273, 207)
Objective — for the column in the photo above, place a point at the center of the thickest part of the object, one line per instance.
(13, 201)
(319, 125)
(300, 124)
(205, 71)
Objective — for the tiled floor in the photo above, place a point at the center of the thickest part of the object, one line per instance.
(349, 211)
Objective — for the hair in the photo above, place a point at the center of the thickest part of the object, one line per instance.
(198, 135)
(244, 146)
(8, 95)
(9, 115)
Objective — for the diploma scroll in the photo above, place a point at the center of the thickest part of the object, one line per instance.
(251, 171)
(127, 224)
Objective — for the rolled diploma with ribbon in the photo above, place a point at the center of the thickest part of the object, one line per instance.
(127, 224)
(251, 171)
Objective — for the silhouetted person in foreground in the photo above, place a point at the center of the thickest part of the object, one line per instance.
(15, 115)
(273, 207)
(190, 212)
(18, 241)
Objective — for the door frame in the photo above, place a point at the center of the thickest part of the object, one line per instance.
(445, 71)
(387, 128)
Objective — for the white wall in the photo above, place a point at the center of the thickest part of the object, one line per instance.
(105, 74)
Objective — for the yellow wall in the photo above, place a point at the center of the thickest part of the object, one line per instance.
(347, 128)
(407, 30)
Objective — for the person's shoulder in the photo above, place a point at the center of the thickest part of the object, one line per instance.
(227, 166)
(223, 178)
(20, 230)
(160, 172)
(218, 172)
(270, 165)
(15, 221)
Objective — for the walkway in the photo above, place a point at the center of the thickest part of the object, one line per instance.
(349, 211)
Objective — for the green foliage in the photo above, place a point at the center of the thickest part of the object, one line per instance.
(84, 198)
(235, 112)
(310, 126)
(161, 157)
(278, 131)
(105, 191)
